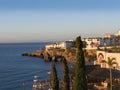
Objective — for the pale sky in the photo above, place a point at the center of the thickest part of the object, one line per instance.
(57, 20)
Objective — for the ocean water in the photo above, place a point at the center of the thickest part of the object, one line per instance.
(16, 69)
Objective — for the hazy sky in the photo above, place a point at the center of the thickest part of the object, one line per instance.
(52, 20)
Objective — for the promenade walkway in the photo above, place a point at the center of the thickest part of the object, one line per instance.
(44, 84)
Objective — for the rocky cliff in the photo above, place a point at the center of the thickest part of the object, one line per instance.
(54, 54)
(59, 54)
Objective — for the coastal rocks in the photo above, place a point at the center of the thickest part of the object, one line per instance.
(46, 56)
(25, 54)
(38, 53)
(57, 54)
(57, 58)
(50, 55)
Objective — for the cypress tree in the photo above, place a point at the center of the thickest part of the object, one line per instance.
(55, 81)
(66, 80)
(80, 82)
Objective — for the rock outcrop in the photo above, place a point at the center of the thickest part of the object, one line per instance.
(53, 54)
(59, 54)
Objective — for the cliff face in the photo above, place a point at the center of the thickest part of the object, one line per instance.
(54, 54)
(59, 54)
(69, 54)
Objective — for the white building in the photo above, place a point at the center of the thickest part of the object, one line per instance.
(107, 39)
(102, 55)
(118, 33)
(61, 45)
(92, 42)
(108, 35)
(110, 40)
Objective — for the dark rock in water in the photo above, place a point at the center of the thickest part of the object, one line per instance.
(41, 55)
(25, 54)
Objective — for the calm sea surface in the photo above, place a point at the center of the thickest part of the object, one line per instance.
(16, 69)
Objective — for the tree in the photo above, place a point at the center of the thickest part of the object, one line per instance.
(118, 40)
(73, 44)
(110, 63)
(80, 82)
(55, 81)
(66, 80)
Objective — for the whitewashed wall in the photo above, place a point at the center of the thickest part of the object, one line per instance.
(102, 55)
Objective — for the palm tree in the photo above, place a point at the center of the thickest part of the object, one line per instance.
(110, 63)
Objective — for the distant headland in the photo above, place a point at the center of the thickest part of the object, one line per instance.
(56, 51)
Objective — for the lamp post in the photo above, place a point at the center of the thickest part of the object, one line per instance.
(105, 49)
(35, 81)
(105, 52)
(49, 79)
(23, 84)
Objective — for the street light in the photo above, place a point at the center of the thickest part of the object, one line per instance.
(49, 75)
(49, 79)
(35, 81)
(35, 77)
(105, 52)
(105, 49)
(23, 84)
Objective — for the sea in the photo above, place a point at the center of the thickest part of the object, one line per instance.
(17, 72)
